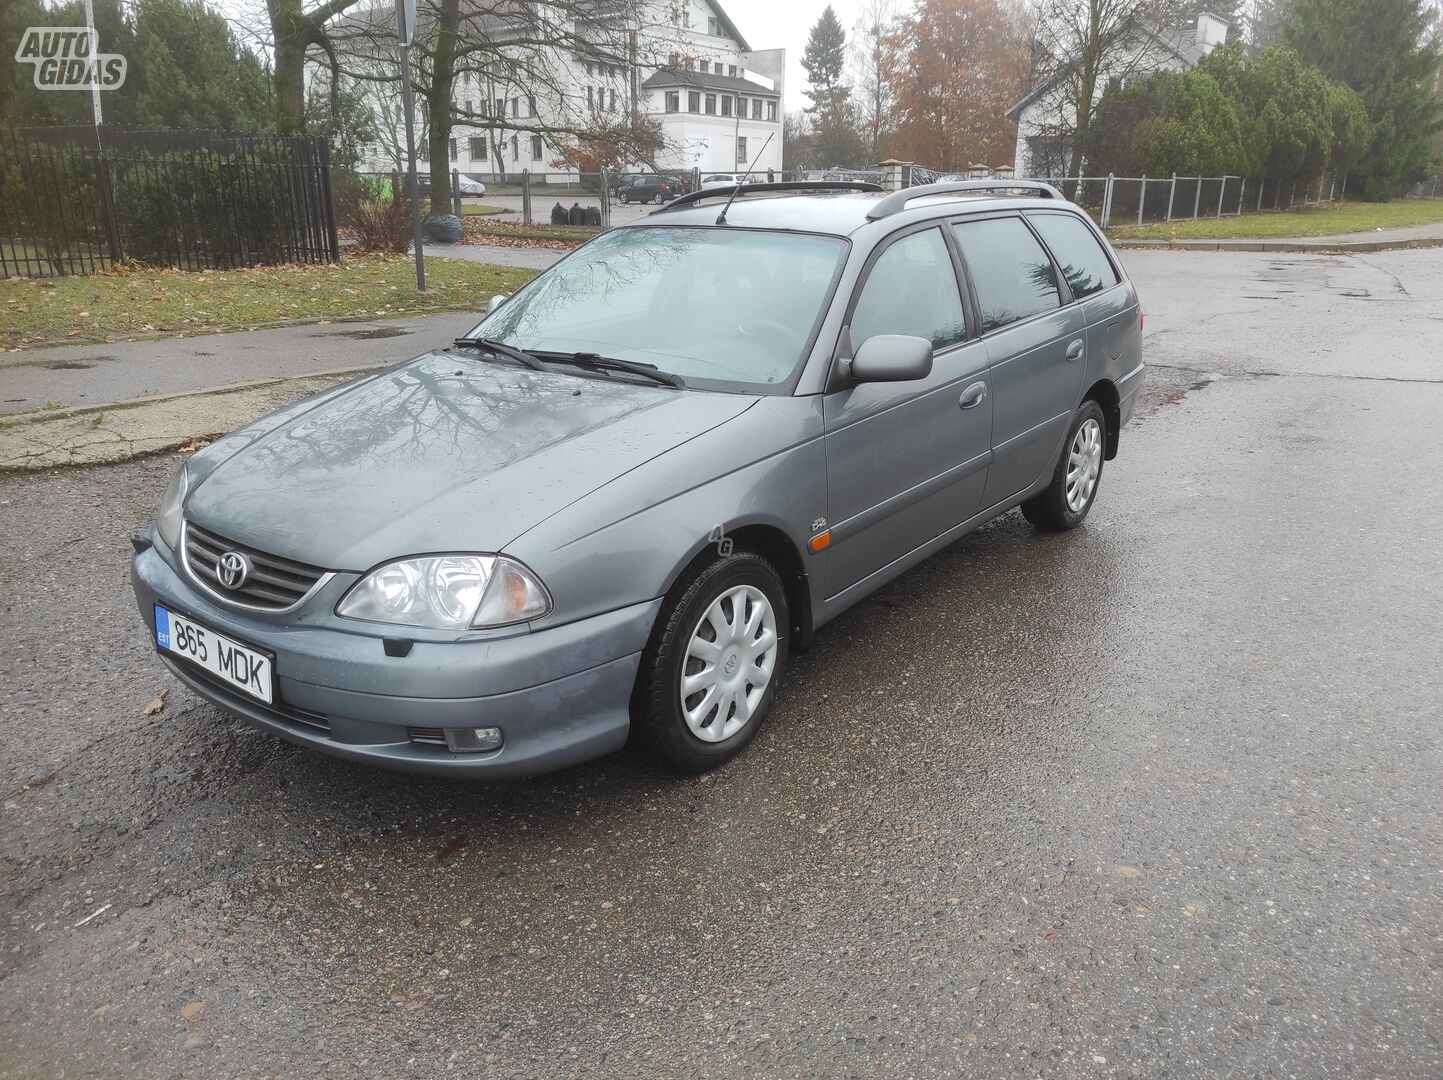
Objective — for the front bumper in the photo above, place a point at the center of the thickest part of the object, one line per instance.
(560, 695)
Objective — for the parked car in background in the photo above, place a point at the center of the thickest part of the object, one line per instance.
(467, 186)
(612, 509)
(713, 181)
(648, 188)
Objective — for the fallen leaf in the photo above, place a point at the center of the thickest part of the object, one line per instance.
(191, 1008)
(1129, 871)
(1192, 909)
(157, 703)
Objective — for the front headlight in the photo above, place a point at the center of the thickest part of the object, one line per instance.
(448, 592)
(168, 516)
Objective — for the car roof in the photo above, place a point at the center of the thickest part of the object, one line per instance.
(838, 213)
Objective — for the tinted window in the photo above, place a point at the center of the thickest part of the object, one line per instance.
(1013, 276)
(911, 289)
(1084, 263)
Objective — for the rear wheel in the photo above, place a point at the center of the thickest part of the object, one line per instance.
(709, 675)
(1066, 500)
(660, 199)
(623, 198)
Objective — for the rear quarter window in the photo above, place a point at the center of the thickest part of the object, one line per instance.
(1085, 265)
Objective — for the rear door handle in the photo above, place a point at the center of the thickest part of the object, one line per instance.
(1074, 350)
(973, 396)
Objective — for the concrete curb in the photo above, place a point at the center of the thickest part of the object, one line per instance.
(1296, 245)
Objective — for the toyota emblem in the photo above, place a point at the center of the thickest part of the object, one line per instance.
(233, 569)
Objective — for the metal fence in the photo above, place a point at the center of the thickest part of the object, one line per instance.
(1140, 200)
(74, 200)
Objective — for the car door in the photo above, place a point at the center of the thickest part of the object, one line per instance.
(906, 461)
(1036, 346)
(1091, 276)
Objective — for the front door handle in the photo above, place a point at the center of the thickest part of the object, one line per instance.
(1074, 350)
(973, 396)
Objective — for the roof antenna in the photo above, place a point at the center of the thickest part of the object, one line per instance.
(721, 219)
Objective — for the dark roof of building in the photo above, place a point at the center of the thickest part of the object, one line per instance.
(706, 80)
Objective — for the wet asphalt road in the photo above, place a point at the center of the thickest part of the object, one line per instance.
(1157, 798)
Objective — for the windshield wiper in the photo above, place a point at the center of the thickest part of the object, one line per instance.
(501, 349)
(596, 362)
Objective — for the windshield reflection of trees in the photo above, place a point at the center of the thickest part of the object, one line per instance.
(660, 293)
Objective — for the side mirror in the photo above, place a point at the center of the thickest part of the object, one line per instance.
(494, 303)
(892, 358)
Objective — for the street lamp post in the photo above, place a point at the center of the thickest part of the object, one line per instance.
(405, 29)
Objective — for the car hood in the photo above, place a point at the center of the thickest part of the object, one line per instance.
(444, 453)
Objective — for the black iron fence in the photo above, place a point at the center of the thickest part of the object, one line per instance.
(74, 200)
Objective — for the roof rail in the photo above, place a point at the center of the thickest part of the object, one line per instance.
(898, 200)
(777, 185)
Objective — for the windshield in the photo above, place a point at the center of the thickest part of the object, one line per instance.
(724, 308)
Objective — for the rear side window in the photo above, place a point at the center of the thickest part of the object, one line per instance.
(1013, 276)
(1084, 264)
(912, 289)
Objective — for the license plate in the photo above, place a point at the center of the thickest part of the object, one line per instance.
(246, 669)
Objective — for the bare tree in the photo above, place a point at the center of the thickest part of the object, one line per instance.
(871, 88)
(567, 72)
(1079, 46)
(294, 29)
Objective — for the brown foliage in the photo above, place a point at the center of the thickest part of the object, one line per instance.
(954, 67)
(372, 212)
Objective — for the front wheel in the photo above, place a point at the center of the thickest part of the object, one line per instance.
(1066, 500)
(709, 675)
(660, 199)
(622, 198)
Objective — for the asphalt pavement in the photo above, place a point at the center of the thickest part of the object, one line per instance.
(1156, 798)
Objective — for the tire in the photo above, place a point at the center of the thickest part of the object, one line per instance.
(660, 199)
(734, 583)
(1061, 506)
(623, 199)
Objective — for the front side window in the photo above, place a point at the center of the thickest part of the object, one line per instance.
(1084, 264)
(911, 289)
(725, 308)
(1012, 275)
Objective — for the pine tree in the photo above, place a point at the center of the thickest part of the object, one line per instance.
(1384, 50)
(824, 58)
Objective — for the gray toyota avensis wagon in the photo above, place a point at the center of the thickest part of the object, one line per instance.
(613, 508)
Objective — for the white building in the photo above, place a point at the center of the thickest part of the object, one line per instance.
(1046, 117)
(680, 63)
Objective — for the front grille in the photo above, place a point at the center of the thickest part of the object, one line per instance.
(427, 736)
(274, 584)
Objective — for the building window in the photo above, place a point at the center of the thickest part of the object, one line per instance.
(673, 101)
(705, 66)
(530, 106)
(713, 27)
(732, 70)
(451, 145)
(726, 104)
(772, 111)
(515, 148)
(756, 108)
(711, 104)
(536, 148)
(741, 150)
(516, 106)
(693, 101)
(742, 107)
(501, 106)
(478, 148)
(591, 96)
(424, 150)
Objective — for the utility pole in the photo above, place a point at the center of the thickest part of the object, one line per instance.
(405, 30)
(94, 52)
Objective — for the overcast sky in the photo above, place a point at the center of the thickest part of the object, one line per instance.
(784, 24)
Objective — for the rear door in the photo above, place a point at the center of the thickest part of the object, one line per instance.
(906, 461)
(1036, 346)
(1093, 279)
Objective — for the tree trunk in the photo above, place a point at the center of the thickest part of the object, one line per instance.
(438, 104)
(288, 29)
